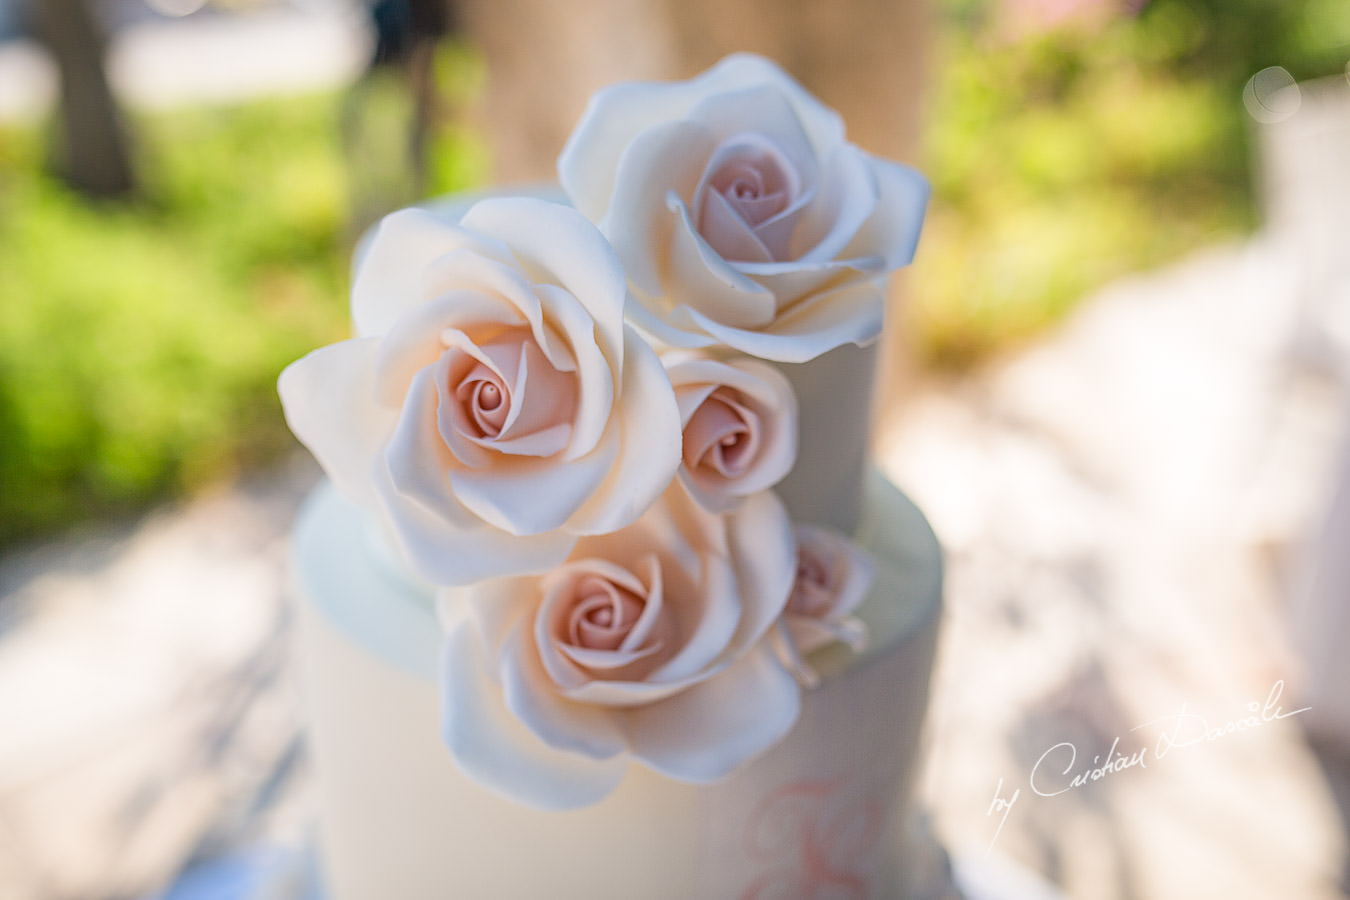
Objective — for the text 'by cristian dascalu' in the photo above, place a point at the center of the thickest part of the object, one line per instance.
(1061, 768)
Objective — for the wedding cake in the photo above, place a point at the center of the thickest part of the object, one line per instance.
(602, 599)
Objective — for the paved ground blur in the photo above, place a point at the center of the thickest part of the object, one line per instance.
(1122, 507)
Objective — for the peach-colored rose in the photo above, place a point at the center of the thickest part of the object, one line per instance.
(740, 212)
(833, 577)
(740, 426)
(493, 405)
(648, 644)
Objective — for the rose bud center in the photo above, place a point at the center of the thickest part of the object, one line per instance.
(811, 594)
(505, 393)
(485, 401)
(603, 616)
(755, 186)
(722, 435)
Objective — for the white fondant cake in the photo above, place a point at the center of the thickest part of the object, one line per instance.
(602, 601)
(822, 814)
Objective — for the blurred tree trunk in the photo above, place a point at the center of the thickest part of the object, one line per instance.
(866, 58)
(93, 154)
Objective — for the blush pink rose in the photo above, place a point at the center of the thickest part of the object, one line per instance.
(833, 576)
(740, 426)
(742, 215)
(493, 406)
(649, 644)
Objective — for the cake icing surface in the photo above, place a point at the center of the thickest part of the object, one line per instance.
(399, 819)
(601, 580)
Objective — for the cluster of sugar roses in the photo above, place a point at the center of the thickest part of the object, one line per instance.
(564, 416)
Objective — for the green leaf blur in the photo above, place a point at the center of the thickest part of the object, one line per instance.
(1070, 154)
(140, 343)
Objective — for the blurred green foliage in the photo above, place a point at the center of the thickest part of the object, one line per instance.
(140, 343)
(1067, 154)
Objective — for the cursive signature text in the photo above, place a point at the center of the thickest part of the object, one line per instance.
(1058, 770)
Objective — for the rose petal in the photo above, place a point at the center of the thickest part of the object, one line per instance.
(616, 115)
(809, 634)
(765, 549)
(823, 126)
(666, 333)
(720, 418)
(542, 400)
(531, 695)
(595, 376)
(791, 656)
(764, 111)
(790, 282)
(417, 459)
(851, 314)
(698, 276)
(519, 301)
(708, 730)
(515, 295)
(448, 555)
(559, 245)
(892, 232)
(328, 398)
(414, 341)
(494, 606)
(852, 568)
(664, 159)
(527, 496)
(628, 694)
(727, 232)
(454, 425)
(649, 426)
(690, 396)
(613, 121)
(390, 278)
(715, 611)
(848, 195)
(494, 748)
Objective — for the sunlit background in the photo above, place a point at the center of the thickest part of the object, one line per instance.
(1116, 380)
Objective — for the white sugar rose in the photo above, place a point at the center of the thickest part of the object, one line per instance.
(833, 577)
(741, 214)
(648, 644)
(740, 426)
(493, 405)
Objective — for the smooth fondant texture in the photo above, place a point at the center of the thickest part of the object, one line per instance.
(821, 811)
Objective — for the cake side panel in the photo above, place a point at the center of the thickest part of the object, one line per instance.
(825, 809)
(826, 812)
(834, 415)
(396, 817)
(399, 820)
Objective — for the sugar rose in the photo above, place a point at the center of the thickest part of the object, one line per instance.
(740, 212)
(493, 405)
(740, 426)
(648, 644)
(833, 578)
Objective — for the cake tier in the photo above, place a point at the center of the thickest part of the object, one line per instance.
(821, 814)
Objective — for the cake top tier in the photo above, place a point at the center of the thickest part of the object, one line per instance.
(571, 419)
